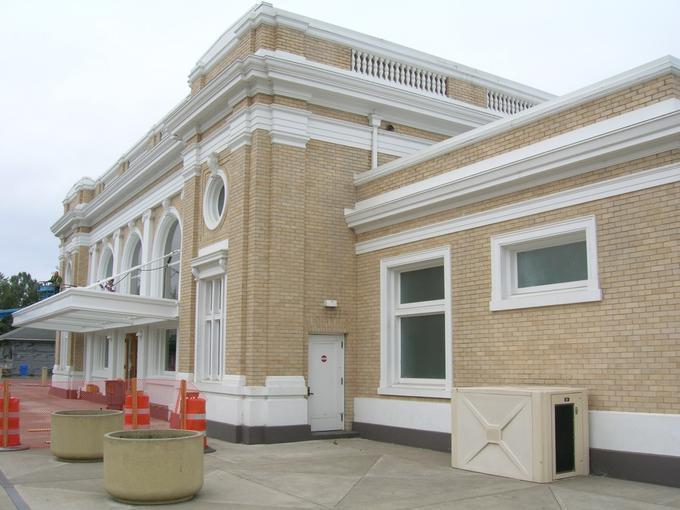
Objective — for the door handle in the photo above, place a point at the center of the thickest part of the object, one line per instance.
(309, 391)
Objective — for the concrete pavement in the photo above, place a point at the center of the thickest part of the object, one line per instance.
(342, 473)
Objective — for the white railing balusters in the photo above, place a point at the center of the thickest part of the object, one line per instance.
(396, 72)
(504, 103)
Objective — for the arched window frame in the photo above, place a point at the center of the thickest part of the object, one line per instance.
(107, 254)
(170, 215)
(134, 239)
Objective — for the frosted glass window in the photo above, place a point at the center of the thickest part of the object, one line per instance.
(422, 285)
(423, 347)
(555, 264)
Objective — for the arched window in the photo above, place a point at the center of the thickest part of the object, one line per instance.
(134, 260)
(106, 270)
(173, 242)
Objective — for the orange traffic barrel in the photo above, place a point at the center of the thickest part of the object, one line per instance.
(13, 436)
(143, 409)
(195, 412)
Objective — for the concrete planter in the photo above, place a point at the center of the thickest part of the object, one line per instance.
(153, 466)
(79, 435)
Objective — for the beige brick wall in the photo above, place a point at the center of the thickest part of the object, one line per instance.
(411, 131)
(190, 217)
(238, 168)
(641, 95)
(624, 349)
(279, 38)
(289, 249)
(610, 172)
(466, 91)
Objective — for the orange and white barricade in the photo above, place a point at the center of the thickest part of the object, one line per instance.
(137, 408)
(10, 422)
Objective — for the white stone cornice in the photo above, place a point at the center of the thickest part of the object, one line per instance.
(140, 174)
(266, 14)
(272, 72)
(84, 184)
(645, 72)
(580, 195)
(629, 136)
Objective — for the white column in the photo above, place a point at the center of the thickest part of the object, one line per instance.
(147, 244)
(116, 252)
(375, 123)
(94, 250)
(142, 351)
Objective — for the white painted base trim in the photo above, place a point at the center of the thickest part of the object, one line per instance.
(635, 432)
(281, 401)
(649, 433)
(408, 414)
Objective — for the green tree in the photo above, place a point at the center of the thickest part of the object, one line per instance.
(17, 291)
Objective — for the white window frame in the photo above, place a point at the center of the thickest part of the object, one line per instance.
(163, 351)
(211, 215)
(213, 369)
(208, 267)
(102, 351)
(391, 382)
(505, 295)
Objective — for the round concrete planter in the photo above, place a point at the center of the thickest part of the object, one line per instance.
(153, 466)
(79, 435)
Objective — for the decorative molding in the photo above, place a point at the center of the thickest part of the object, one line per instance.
(84, 184)
(213, 164)
(141, 173)
(281, 73)
(265, 13)
(212, 248)
(583, 194)
(599, 89)
(210, 265)
(629, 136)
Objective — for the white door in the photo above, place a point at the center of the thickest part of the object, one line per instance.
(326, 382)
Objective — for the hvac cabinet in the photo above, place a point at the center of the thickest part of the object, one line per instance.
(534, 433)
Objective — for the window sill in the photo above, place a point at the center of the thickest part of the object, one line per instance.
(415, 391)
(546, 299)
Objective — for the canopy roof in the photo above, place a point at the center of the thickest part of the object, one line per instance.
(82, 310)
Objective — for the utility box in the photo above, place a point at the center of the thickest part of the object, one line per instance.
(533, 433)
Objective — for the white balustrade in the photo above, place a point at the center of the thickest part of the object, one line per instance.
(504, 103)
(402, 74)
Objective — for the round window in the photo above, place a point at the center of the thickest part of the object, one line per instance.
(214, 200)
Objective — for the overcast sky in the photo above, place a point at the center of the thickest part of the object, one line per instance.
(81, 81)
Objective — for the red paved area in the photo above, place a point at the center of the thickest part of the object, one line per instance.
(36, 407)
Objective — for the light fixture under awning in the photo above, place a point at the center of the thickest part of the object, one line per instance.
(81, 310)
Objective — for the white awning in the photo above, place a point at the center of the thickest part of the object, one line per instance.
(82, 310)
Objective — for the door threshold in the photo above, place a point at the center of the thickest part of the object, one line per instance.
(333, 434)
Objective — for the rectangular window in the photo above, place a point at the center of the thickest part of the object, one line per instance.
(416, 325)
(170, 350)
(546, 265)
(211, 332)
(100, 352)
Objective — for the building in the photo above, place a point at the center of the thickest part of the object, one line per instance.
(332, 231)
(31, 347)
